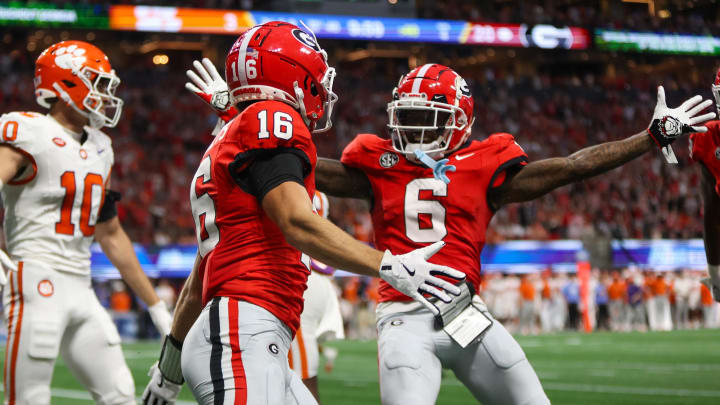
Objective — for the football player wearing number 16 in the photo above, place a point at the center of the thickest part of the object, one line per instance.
(251, 199)
(431, 114)
(56, 174)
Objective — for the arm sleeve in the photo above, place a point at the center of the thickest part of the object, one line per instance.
(19, 130)
(108, 210)
(269, 170)
(510, 157)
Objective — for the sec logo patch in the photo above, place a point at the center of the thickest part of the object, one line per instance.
(717, 153)
(45, 288)
(388, 160)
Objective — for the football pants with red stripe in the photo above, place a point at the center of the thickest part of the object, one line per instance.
(50, 313)
(236, 354)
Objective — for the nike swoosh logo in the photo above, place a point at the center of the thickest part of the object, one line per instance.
(410, 272)
(461, 157)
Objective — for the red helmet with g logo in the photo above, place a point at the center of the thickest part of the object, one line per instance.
(431, 110)
(279, 61)
(79, 74)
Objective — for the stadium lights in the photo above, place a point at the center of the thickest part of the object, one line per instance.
(160, 59)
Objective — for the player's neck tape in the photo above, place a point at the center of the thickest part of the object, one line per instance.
(169, 363)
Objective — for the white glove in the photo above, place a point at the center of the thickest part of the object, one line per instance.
(159, 390)
(6, 264)
(211, 87)
(713, 282)
(161, 317)
(412, 275)
(670, 123)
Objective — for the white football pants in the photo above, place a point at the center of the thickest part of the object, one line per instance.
(320, 320)
(49, 312)
(412, 354)
(238, 351)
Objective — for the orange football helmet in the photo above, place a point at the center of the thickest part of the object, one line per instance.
(79, 74)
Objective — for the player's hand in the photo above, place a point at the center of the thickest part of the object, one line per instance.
(159, 390)
(669, 124)
(412, 275)
(211, 87)
(6, 264)
(161, 317)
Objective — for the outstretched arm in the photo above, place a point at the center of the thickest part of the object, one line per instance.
(667, 124)
(539, 178)
(338, 180)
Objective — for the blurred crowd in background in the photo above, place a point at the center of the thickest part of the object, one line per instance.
(545, 302)
(162, 135)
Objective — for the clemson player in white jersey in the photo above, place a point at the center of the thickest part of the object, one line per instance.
(320, 320)
(56, 174)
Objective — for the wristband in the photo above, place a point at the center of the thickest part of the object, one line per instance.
(169, 364)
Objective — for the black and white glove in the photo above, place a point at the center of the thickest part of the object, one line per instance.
(669, 124)
(165, 376)
(211, 88)
(412, 275)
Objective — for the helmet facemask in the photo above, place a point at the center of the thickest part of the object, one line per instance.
(416, 123)
(716, 95)
(324, 120)
(103, 107)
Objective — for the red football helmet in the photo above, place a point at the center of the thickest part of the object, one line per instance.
(716, 90)
(432, 110)
(79, 74)
(279, 61)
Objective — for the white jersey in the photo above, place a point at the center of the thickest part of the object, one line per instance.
(52, 207)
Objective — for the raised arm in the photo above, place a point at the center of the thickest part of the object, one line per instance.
(338, 180)
(539, 178)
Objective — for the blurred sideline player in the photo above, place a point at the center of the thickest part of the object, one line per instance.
(705, 149)
(431, 115)
(251, 201)
(56, 174)
(320, 320)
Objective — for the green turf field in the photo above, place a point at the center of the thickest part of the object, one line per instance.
(603, 368)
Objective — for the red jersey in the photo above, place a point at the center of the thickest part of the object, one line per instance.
(412, 209)
(245, 255)
(705, 148)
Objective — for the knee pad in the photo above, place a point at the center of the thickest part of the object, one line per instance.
(123, 390)
(501, 347)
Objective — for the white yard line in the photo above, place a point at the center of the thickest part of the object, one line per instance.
(614, 389)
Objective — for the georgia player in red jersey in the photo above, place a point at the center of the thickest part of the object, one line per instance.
(251, 200)
(705, 149)
(412, 205)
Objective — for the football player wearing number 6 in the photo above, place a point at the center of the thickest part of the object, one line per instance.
(55, 179)
(251, 200)
(431, 115)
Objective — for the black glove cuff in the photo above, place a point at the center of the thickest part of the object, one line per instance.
(169, 364)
